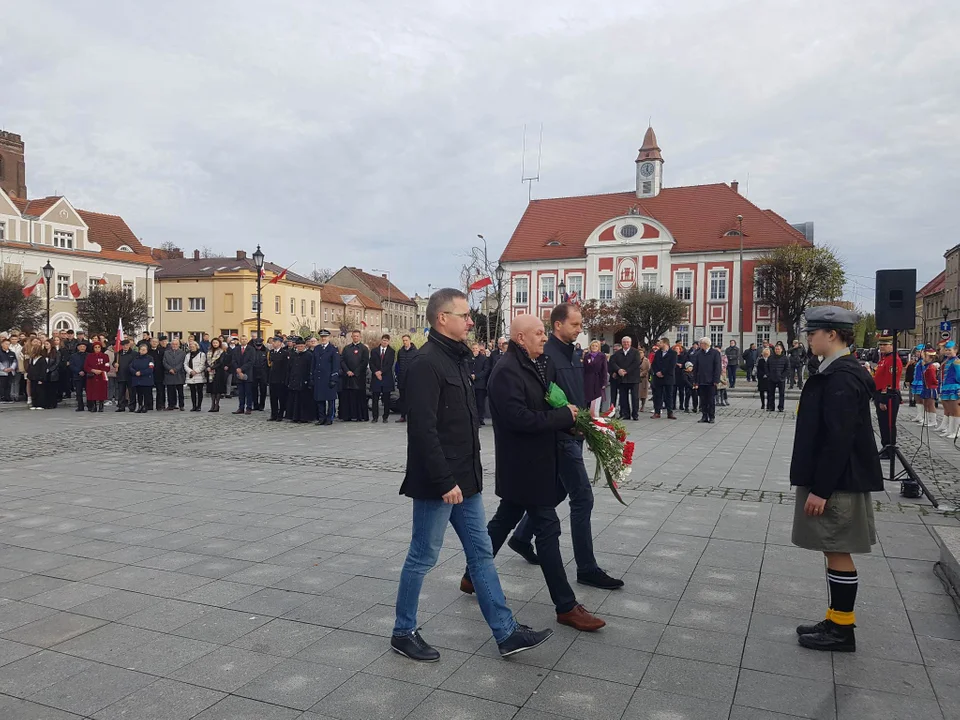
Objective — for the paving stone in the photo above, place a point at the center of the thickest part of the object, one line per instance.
(93, 689)
(163, 700)
(167, 615)
(53, 629)
(616, 664)
(788, 658)
(16, 709)
(442, 705)
(638, 607)
(222, 626)
(30, 585)
(344, 649)
(226, 668)
(656, 705)
(711, 617)
(115, 605)
(163, 655)
(284, 638)
(393, 665)
(237, 708)
(883, 675)
(583, 698)
(14, 614)
(271, 601)
(328, 611)
(859, 703)
(494, 679)
(296, 684)
(102, 643)
(370, 697)
(783, 694)
(690, 677)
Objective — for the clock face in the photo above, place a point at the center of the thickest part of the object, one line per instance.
(646, 169)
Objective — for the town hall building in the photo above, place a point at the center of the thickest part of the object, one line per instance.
(681, 240)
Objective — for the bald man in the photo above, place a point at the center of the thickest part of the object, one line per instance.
(525, 429)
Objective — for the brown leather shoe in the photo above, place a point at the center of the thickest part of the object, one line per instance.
(466, 586)
(580, 619)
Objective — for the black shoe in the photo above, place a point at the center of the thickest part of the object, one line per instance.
(120, 409)
(523, 638)
(811, 629)
(833, 638)
(80, 409)
(779, 409)
(710, 420)
(702, 420)
(524, 550)
(384, 419)
(482, 423)
(318, 422)
(414, 647)
(599, 579)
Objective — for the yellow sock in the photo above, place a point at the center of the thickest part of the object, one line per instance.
(829, 614)
(843, 618)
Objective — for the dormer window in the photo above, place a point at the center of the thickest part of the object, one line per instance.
(554, 243)
(628, 231)
(125, 248)
(732, 233)
(63, 239)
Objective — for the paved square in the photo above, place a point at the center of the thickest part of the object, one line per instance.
(223, 568)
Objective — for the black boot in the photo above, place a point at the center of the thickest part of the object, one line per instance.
(833, 637)
(100, 406)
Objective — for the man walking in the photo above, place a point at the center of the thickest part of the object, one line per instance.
(480, 369)
(278, 360)
(404, 357)
(567, 323)
(353, 367)
(625, 364)
(707, 367)
(664, 371)
(381, 380)
(798, 358)
(444, 479)
(734, 356)
(750, 357)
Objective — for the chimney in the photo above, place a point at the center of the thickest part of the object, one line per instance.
(196, 254)
(735, 186)
(241, 254)
(384, 276)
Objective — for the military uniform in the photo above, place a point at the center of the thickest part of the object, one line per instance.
(277, 362)
(299, 397)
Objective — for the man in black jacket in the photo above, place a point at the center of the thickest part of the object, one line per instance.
(261, 374)
(121, 365)
(777, 369)
(479, 370)
(445, 480)
(353, 372)
(707, 368)
(664, 373)
(798, 358)
(835, 467)
(405, 356)
(158, 347)
(278, 358)
(625, 365)
(382, 359)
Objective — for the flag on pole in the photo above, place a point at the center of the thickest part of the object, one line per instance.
(263, 273)
(363, 323)
(277, 278)
(75, 290)
(28, 290)
(481, 283)
(116, 345)
(102, 280)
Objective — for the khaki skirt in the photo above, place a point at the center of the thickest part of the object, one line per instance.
(846, 526)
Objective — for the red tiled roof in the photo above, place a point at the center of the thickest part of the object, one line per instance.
(207, 267)
(934, 286)
(36, 207)
(698, 217)
(86, 254)
(333, 294)
(381, 286)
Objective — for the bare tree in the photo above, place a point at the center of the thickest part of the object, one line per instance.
(170, 246)
(207, 252)
(321, 275)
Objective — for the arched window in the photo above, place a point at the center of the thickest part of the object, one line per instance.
(733, 233)
(125, 248)
(62, 324)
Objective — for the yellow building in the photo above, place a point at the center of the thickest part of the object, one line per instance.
(219, 296)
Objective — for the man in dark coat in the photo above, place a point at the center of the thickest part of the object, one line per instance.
(798, 359)
(353, 370)
(158, 347)
(625, 364)
(260, 373)
(382, 380)
(750, 357)
(663, 369)
(241, 367)
(445, 479)
(405, 356)
(479, 371)
(121, 365)
(707, 368)
(77, 359)
(778, 368)
(525, 429)
(325, 378)
(299, 371)
(278, 360)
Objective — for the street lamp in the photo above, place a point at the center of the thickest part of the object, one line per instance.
(486, 293)
(499, 273)
(258, 262)
(562, 289)
(740, 294)
(48, 276)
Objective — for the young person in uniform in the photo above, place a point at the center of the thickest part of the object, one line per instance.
(950, 391)
(883, 379)
(835, 467)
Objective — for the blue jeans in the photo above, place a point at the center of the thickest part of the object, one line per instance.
(245, 395)
(573, 475)
(732, 375)
(430, 518)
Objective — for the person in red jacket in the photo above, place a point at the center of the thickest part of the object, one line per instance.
(887, 407)
(931, 386)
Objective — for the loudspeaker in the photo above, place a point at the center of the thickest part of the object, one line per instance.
(896, 302)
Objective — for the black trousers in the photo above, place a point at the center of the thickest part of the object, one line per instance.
(402, 403)
(629, 400)
(79, 385)
(161, 397)
(377, 397)
(278, 400)
(762, 385)
(259, 388)
(6, 381)
(886, 417)
(123, 394)
(196, 394)
(174, 396)
(796, 375)
(481, 396)
(144, 396)
(662, 397)
(546, 530)
(775, 386)
(708, 401)
(299, 403)
(614, 392)
(354, 406)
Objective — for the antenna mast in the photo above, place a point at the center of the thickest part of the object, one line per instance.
(523, 157)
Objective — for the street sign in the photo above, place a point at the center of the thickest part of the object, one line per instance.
(944, 335)
(945, 326)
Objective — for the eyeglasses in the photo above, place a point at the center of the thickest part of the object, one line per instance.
(463, 316)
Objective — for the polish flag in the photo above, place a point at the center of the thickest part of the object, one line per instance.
(101, 280)
(28, 290)
(281, 276)
(75, 290)
(116, 345)
(480, 283)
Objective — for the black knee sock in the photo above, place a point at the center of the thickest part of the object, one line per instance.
(843, 595)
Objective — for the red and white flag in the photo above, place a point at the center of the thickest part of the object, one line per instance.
(480, 283)
(28, 290)
(75, 290)
(116, 345)
(277, 278)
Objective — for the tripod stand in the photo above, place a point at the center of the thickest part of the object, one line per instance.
(913, 487)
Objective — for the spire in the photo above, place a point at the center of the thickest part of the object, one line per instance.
(650, 150)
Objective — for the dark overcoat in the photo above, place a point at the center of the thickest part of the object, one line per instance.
(355, 359)
(385, 366)
(326, 373)
(595, 375)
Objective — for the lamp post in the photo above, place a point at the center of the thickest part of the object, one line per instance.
(486, 291)
(500, 272)
(258, 262)
(47, 277)
(740, 294)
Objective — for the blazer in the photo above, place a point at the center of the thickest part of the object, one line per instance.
(629, 361)
(664, 361)
(385, 366)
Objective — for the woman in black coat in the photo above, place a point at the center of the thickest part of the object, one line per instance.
(41, 388)
(763, 379)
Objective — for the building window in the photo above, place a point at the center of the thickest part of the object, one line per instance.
(93, 284)
(254, 304)
(763, 334)
(521, 287)
(63, 286)
(293, 306)
(683, 335)
(175, 335)
(606, 287)
(3, 226)
(198, 304)
(128, 290)
(648, 281)
(718, 285)
(313, 308)
(575, 286)
(228, 332)
(276, 304)
(716, 335)
(760, 286)
(326, 314)
(303, 308)
(683, 285)
(174, 304)
(63, 239)
(547, 294)
(62, 325)
(228, 302)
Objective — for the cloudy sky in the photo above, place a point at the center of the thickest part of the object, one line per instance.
(387, 133)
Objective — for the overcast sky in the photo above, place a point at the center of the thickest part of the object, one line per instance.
(387, 133)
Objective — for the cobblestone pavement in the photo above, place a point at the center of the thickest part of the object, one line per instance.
(175, 566)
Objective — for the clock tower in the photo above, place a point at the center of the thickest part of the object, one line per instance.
(649, 167)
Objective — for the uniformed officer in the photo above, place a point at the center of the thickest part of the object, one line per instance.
(299, 397)
(888, 404)
(835, 467)
(277, 359)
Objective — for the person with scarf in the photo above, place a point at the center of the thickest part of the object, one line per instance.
(195, 365)
(216, 374)
(141, 378)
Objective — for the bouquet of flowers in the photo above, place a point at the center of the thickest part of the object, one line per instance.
(606, 437)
